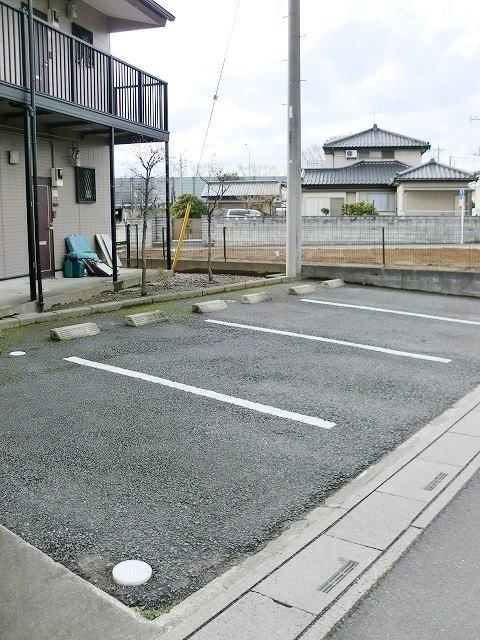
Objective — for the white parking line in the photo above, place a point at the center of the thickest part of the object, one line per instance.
(396, 311)
(345, 343)
(206, 393)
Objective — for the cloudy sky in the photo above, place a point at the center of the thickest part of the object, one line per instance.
(414, 62)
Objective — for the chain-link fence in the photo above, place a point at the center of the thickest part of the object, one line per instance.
(397, 242)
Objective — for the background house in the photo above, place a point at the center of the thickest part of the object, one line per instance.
(263, 194)
(87, 101)
(385, 168)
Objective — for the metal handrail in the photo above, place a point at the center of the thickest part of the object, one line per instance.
(72, 70)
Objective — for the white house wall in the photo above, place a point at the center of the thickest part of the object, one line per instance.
(412, 157)
(88, 17)
(70, 217)
(313, 203)
(423, 203)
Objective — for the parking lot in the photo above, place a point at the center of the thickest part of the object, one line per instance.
(189, 444)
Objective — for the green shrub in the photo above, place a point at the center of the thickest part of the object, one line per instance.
(199, 207)
(358, 209)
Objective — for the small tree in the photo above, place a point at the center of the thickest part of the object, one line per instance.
(148, 158)
(199, 207)
(358, 209)
(216, 190)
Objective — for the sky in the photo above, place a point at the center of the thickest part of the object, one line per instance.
(409, 65)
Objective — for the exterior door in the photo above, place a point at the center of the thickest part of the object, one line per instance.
(336, 205)
(45, 231)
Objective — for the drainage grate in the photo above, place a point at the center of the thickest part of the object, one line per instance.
(436, 481)
(337, 577)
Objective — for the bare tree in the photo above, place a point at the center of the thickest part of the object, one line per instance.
(149, 157)
(217, 188)
(313, 157)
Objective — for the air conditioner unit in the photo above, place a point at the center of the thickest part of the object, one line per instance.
(351, 153)
(54, 18)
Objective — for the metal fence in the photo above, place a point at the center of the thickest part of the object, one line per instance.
(400, 242)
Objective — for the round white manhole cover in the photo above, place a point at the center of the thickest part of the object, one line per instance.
(130, 573)
(17, 353)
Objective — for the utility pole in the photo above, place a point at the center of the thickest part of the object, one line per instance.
(294, 186)
(181, 174)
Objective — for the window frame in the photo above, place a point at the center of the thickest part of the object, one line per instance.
(84, 53)
(80, 195)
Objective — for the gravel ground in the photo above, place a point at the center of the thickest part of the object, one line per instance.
(176, 282)
(97, 467)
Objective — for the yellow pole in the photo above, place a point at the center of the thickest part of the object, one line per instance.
(181, 237)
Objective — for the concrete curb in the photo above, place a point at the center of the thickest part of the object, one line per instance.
(77, 295)
(104, 307)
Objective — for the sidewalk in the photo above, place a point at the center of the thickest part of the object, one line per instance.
(434, 591)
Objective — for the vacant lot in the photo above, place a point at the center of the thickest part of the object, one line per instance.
(455, 258)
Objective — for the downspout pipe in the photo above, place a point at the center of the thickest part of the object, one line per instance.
(33, 131)
(27, 141)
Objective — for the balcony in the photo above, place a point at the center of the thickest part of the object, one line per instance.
(77, 80)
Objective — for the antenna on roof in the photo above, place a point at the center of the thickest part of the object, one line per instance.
(375, 113)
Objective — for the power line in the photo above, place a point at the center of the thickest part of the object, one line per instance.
(217, 88)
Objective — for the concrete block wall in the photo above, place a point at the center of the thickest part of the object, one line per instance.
(355, 231)
(70, 217)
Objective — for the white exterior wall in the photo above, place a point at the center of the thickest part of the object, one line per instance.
(70, 217)
(88, 17)
(411, 157)
(424, 203)
(428, 198)
(314, 202)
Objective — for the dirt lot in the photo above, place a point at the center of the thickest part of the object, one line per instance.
(461, 259)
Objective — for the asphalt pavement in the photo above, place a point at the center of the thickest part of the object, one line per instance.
(99, 467)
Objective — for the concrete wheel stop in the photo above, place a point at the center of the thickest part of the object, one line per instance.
(84, 330)
(210, 306)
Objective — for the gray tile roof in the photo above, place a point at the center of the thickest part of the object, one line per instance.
(376, 138)
(432, 170)
(245, 188)
(359, 173)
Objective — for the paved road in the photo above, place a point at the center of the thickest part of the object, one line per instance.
(434, 591)
(99, 467)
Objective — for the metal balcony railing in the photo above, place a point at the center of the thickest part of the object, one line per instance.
(71, 70)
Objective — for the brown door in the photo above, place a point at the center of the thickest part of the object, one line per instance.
(45, 232)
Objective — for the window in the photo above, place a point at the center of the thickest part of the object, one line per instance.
(36, 12)
(364, 153)
(85, 184)
(383, 201)
(388, 154)
(83, 54)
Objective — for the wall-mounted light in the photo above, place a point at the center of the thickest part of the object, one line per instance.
(13, 157)
(72, 10)
(75, 156)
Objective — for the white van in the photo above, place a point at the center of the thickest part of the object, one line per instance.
(243, 213)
